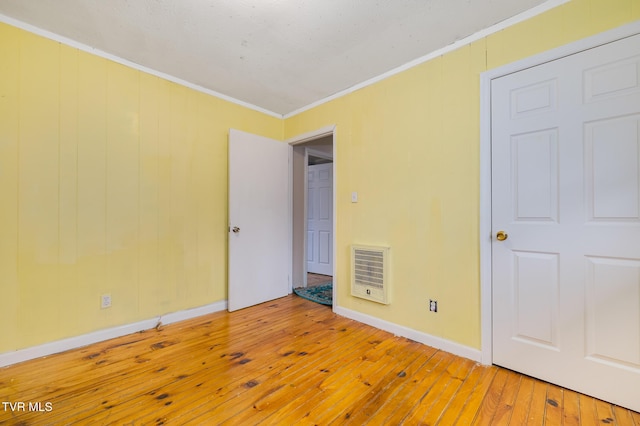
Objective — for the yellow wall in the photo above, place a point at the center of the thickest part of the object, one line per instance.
(410, 146)
(115, 181)
(111, 181)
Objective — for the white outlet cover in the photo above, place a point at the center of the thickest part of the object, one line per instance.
(105, 301)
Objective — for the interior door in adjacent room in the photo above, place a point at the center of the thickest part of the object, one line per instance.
(259, 231)
(320, 219)
(566, 196)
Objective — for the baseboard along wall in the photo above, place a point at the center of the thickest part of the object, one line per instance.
(63, 345)
(21, 355)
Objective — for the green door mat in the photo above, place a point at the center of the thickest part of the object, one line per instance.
(320, 294)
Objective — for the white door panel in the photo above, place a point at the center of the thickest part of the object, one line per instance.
(566, 189)
(259, 213)
(320, 219)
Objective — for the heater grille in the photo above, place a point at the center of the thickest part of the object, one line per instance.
(369, 273)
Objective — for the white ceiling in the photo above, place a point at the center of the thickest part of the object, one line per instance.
(279, 55)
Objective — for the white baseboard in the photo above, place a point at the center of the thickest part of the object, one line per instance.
(418, 336)
(46, 349)
(9, 358)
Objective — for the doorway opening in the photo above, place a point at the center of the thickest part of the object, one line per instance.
(313, 209)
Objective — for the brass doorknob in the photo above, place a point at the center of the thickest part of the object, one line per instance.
(501, 236)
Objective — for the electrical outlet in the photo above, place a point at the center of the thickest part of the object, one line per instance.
(105, 301)
(433, 305)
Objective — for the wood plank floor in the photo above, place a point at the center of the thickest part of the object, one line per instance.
(317, 279)
(286, 362)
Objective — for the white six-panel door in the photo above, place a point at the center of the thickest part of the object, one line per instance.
(320, 219)
(566, 191)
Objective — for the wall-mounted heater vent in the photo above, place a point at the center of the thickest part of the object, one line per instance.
(370, 273)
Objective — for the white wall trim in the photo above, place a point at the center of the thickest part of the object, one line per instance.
(409, 333)
(591, 42)
(528, 14)
(334, 142)
(83, 47)
(312, 135)
(9, 358)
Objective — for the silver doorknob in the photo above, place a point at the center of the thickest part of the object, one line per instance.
(235, 229)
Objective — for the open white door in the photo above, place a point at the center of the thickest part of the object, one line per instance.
(259, 236)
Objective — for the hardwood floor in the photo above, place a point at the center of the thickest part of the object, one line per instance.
(317, 279)
(286, 362)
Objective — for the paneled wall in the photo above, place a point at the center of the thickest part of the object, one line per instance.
(410, 146)
(115, 181)
(111, 181)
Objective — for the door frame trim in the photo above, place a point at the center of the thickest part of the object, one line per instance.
(486, 283)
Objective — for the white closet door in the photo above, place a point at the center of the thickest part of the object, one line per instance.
(566, 191)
